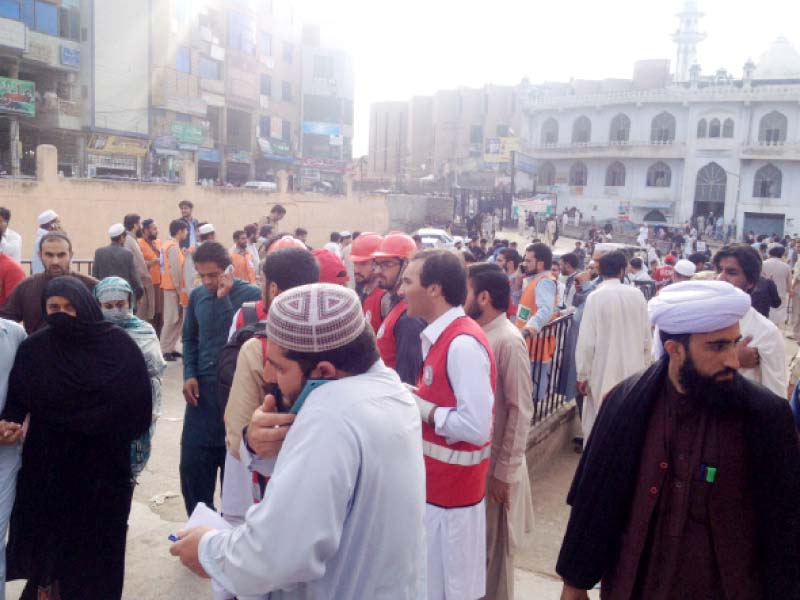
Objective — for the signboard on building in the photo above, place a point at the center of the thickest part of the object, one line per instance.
(17, 97)
(208, 155)
(499, 149)
(187, 133)
(321, 128)
(324, 164)
(238, 156)
(524, 163)
(12, 34)
(274, 149)
(70, 57)
(116, 144)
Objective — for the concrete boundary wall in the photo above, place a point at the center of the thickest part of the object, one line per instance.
(88, 207)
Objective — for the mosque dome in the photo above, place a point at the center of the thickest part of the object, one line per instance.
(781, 61)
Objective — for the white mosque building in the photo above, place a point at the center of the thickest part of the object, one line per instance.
(671, 146)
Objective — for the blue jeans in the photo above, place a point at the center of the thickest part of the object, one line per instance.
(10, 461)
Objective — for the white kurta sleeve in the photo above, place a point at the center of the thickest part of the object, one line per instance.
(469, 370)
(290, 536)
(772, 361)
(587, 337)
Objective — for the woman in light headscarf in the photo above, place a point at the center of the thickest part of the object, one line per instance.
(114, 295)
(84, 385)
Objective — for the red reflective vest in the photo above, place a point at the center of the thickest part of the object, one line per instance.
(387, 343)
(455, 473)
(372, 308)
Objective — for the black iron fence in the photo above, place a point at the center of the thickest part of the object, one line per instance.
(552, 352)
(80, 265)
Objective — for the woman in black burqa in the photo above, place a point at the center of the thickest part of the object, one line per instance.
(84, 383)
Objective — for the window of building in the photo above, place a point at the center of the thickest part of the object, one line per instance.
(502, 130)
(323, 109)
(772, 128)
(476, 134)
(183, 59)
(263, 126)
(10, 9)
(659, 175)
(546, 174)
(620, 128)
(266, 85)
(702, 128)
(578, 174)
(710, 184)
(727, 128)
(208, 68)
(615, 175)
(767, 183)
(241, 33)
(46, 18)
(69, 22)
(662, 129)
(714, 128)
(550, 132)
(581, 130)
(286, 130)
(29, 13)
(286, 91)
(288, 52)
(323, 67)
(266, 44)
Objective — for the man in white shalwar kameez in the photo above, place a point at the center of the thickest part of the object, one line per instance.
(342, 515)
(614, 340)
(762, 352)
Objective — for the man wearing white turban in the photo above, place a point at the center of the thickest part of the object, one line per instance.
(688, 487)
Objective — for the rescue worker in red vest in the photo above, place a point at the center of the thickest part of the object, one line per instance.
(455, 395)
(374, 299)
(398, 335)
(537, 307)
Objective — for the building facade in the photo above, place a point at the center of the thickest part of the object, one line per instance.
(131, 90)
(656, 149)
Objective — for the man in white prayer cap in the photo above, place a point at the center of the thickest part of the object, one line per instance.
(342, 515)
(762, 353)
(48, 221)
(688, 486)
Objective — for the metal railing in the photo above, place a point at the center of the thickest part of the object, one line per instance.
(78, 265)
(550, 359)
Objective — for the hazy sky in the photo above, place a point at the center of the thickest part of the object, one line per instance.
(407, 47)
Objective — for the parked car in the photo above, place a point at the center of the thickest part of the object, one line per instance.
(264, 186)
(321, 187)
(435, 238)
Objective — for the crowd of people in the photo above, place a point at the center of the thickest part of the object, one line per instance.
(366, 408)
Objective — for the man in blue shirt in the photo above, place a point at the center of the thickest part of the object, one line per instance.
(205, 331)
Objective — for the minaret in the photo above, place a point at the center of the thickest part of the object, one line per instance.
(687, 37)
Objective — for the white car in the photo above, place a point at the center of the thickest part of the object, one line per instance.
(435, 238)
(264, 186)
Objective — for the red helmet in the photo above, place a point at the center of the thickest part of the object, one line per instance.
(286, 241)
(331, 267)
(364, 246)
(396, 245)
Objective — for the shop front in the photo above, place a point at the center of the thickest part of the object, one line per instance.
(237, 167)
(208, 163)
(323, 174)
(275, 155)
(116, 157)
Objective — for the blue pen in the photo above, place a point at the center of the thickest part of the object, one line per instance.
(172, 537)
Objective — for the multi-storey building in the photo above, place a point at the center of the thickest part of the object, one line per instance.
(126, 93)
(454, 135)
(658, 148)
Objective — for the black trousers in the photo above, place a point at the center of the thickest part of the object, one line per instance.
(198, 471)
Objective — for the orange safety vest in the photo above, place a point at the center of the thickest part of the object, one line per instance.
(242, 267)
(166, 276)
(150, 254)
(540, 349)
